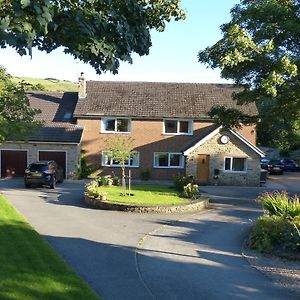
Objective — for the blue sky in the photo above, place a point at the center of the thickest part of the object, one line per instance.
(172, 58)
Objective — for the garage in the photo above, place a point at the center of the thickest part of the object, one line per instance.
(13, 163)
(60, 157)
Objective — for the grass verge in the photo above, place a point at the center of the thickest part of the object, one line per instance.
(144, 194)
(30, 268)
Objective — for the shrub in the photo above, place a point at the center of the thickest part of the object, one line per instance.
(92, 189)
(180, 181)
(145, 175)
(104, 180)
(280, 204)
(272, 233)
(116, 180)
(191, 191)
(83, 169)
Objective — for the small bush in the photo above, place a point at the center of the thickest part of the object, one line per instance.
(276, 233)
(83, 169)
(191, 191)
(280, 204)
(180, 181)
(116, 180)
(104, 180)
(145, 175)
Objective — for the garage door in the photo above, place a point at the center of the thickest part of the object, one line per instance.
(13, 163)
(57, 156)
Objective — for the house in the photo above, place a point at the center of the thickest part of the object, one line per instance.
(171, 129)
(59, 139)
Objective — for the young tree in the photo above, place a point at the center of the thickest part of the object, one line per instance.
(16, 116)
(260, 50)
(120, 149)
(99, 32)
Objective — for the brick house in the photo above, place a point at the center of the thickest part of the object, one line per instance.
(59, 139)
(171, 130)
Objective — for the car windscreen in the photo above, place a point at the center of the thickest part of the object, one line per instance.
(273, 162)
(38, 168)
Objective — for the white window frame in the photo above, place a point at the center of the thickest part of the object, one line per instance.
(191, 127)
(169, 155)
(103, 120)
(103, 164)
(231, 163)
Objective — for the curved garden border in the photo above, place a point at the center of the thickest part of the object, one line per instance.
(194, 205)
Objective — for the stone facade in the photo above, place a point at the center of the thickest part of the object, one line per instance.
(218, 151)
(72, 153)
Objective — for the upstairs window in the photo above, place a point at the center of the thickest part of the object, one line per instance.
(235, 164)
(168, 160)
(178, 127)
(113, 125)
(108, 161)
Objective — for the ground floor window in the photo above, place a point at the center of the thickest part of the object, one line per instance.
(132, 161)
(235, 164)
(168, 160)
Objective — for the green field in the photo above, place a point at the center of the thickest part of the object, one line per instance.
(49, 84)
(30, 268)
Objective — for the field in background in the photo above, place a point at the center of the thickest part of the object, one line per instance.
(49, 84)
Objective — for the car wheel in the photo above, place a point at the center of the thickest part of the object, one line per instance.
(52, 183)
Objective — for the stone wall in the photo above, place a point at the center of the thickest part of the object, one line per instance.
(217, 152)
(72, 151)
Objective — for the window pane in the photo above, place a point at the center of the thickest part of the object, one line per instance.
(134, 160)
(170, 126)
(175, 160)
(238, 164)
(109, 125)
(161, 159)
(122, 125)
(106, 160)
(184, 126)
(227, 163)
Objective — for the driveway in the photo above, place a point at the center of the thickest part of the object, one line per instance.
(149, 256)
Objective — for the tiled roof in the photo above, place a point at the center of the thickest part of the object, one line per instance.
(57, 114)
(156, 100)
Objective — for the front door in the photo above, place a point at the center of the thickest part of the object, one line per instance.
(203, 169)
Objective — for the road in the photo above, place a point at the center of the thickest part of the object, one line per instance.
(151, 256)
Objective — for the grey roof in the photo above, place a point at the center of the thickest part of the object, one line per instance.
(57, 114)
(156, 99)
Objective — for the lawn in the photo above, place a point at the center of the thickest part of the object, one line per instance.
(29, 267)
(144, 194)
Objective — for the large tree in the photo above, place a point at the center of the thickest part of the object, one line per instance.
(260, 49)
(16, 116)
(99, 32)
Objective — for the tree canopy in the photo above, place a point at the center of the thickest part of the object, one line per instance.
(260, 49)
(99, 32)
(16, 116)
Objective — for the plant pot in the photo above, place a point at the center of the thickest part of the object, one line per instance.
(103, 197)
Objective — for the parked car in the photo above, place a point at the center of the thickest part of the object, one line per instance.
(289, 164)
(43, 173)
(264, 163)
(275, 166)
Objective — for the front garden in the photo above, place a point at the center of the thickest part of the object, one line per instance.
(107, 188)
(30, 268)
(278, 230)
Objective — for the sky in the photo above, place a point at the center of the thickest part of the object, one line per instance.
(172, 57)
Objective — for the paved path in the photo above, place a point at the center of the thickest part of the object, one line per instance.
(195, 258)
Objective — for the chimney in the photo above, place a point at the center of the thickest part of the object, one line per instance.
(81, 86)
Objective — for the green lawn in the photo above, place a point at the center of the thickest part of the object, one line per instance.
(144, 194)
(52, 85)
(29, 267)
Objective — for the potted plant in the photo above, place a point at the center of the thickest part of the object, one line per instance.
(102, 196)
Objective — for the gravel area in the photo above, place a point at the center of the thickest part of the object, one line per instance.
(285, 273)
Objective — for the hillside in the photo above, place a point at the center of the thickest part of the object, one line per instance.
(49, 84)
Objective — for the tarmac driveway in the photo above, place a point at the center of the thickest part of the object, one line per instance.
(149, 256)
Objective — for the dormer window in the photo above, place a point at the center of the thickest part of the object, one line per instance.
(115, 125)
(184, 127)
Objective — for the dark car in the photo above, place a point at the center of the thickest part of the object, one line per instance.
(289, 165)
(275, 166)
(43, 173)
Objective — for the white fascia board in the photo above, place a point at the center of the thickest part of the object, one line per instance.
(202, 141)
(248, 143)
